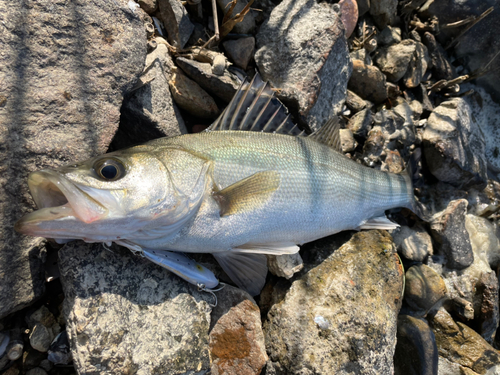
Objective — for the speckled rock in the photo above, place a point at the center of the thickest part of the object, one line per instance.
(413, 243)
(308, 34)
(64, 74)
(448, 230)
(454, 146)
(340, 317)
(368, 82)
(237, 342)
(424, 287)
(462, 345)
(416, 350)
(127, 315)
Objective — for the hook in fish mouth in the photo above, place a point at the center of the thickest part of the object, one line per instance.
(57, 199)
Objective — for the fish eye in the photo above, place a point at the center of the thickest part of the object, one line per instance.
(109, 169)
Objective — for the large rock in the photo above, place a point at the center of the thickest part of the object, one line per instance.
(341, 316)
(64, 69)
(303, 52)
(454, 146)
(127, 315)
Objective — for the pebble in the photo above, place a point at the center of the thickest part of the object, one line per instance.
(285, 265)
(449, 231)
(149, 6)
(389, 35)
(424, 287)
(36, 371)
(41, 337)
(240, 51)
(417, 67)
(59, 352)
(383, 11)
(488, 310)
(394, 60)
(361, 54)
(441, 67)
(368, 82)
(176, 20)
(354, 102)
(347, 141)
(413, 243)
(361, 123)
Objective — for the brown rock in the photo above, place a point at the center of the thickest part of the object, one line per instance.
(240, 51)
(368, 82)
(237, 342)
(423, 288)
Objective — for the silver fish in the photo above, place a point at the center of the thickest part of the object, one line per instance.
(237, 191)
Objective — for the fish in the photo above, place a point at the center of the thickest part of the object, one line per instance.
(253, 184)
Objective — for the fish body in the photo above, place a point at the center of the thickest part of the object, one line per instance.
(235, 193)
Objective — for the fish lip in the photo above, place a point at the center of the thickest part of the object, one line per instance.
(58, 198)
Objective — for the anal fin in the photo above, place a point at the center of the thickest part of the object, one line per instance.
(248, 271)
(381, 222)
(275, 248)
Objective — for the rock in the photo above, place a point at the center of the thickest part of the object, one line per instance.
(363, 7)
(191, 97)
(389, 35)
(301, 50)
(32, 358)
(368, 82)
(394, 60)
(441, 67)
(347, 141)
(424, 287)
(361, 123)
(247, 25)
(60, 351)
(240, 51)
(149, 6)
(383, 11)
(237, 342)
(460, 344)
(36, 371)
(176, 20)
(41, 315)
(483, 239)
(448, 230)
(112, 298)
(417, 66)
(488, 311)
(149, 112)
(374, 146)
(340, 316)
(285, 265)
(414, 243)
(227, 298)
(62, 88)
(223, 87)
(348, 15)
(454, 146)
(416, 350)
(41, 337)
(354, 102)
(361, 54)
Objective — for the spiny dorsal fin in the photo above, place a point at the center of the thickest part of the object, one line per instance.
(247, 194)
(329, 134)
(255, 108)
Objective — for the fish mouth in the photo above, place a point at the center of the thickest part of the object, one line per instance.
(58, 200)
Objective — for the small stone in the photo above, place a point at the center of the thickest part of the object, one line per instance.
(223, 87)
(441, 67)
(424, 287)
(347, 141)
(237, 342)
(389, 35)
(449, 231)
(416, 349)
(41, 337)
(43, 316)
(414, 243)
(383, 11)
(488, 311)
(374, 146)
(361, 54)
(191, 97)
(46, 365)
(354, 102)
(368, 82)
(394, 60)
(32, 358)
(60, 351)
(247, 25)
(417, 66)
(176, 20)
(285, 265)
(149, 6)
(240, 51)
(36, 371)
(454, 146)
(483, 239)
(360, 123)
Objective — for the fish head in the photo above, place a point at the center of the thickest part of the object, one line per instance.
(103, 199)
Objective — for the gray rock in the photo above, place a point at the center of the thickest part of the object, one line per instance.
(62, 88)
(368, 82)
(176, 20)
(341, 316)
(454, 146)
(417, 66)
(460, 344)
(41, 315)
(36, 371)
(41, 337)
(302, 50)
(237, 343)
(383, 11)
(149, 6)
(285, 265)
(488, 311)
(441, 67)
(449, 232)
(60, 351)
(347, 141)
(354, 102)
(361, 123)
(389, 35)
(149, 112)
(244, 27)
(124, 313)
(414, 243)
(424, 287)
(361, 54)
(224, 86)
(395, 59)
(416, 350)
(240, 51)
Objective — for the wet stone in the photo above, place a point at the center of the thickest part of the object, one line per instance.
(240, 51)
(368, 82)
(424, 287)
(416, 351)
(413, 243)
(284, 265)
(176, 20)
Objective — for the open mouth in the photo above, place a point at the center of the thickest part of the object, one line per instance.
(58, 199)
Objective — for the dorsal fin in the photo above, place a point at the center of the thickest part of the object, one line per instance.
(255, 108)
(329, 134)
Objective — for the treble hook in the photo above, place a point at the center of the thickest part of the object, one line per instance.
(202, 288)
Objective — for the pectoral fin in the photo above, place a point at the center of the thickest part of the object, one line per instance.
(381, 222)
(248, 271)
(247, 194)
